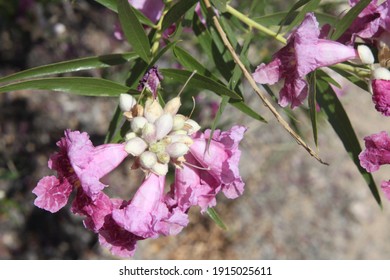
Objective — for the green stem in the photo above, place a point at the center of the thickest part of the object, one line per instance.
(361, 72)
(253, 24)
(159, 31)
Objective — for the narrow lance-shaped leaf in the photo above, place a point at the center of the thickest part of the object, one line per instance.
(75, 85)
(192, 64)
(349, 17)
(113, 6)
(309, 7)
(198, 81)
(133, 30)
(71, 66)
(176, 12)
(291, 12)
(220, 5)
(114, 124)
(215, 217)
(276, 18)
(340, 122)
(312, 105)
(222, 106)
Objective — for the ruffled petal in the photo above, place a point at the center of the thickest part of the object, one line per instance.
(52, 193)
(381, 96)
(377, 151)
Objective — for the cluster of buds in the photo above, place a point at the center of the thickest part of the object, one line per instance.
(158, 135)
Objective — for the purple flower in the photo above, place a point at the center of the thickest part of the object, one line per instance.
(78, 164)
(209, 172)
(304, 52)
(381, 96)
(147, 214)
(377, 151)
(151, 80)
(150, 8)
(370, 23)
(385, 186)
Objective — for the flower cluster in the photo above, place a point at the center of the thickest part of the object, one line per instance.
(204, 165)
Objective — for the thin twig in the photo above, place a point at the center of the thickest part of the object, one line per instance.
(253, 84)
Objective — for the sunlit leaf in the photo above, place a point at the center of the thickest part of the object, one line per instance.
(75, 85)
(71, 66)
(215, 217)
(133, 30)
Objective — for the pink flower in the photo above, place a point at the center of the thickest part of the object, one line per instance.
(78, 164)
(377, 151)
(150, 8)
(385, 186)
(370, 23)
(147, 215)
(381, 96)
(211, 171)
(304, 52)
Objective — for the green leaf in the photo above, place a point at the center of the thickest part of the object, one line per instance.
(114, 124)
(191, 63)
(133, 30)
(342, 25)
(215, 217)
(72, 66)
(176, 12)
(75, 85)
(312, 105)
(277, 18)
(340, 122)
(309, 7)
(220, 5)
(198, 81)
(113, 6)
(291, 12)
(358, 81)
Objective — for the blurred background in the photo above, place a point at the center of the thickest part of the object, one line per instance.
(293, 207)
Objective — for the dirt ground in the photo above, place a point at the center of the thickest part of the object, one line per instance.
(293, 207)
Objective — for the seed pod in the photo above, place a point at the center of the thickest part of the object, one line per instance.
(176, 150)
(126, 102)
(147, 159)
(135, 146)
(163, 125)
(153, 110)
(137, 124)
(172, 106)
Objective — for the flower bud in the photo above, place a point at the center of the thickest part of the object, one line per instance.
(191, 126)
(178, 132)
(163, 125)
(149, 133)
(135, 146)
(153, 110)
(381, 73)
(365, 54)
(157, 147)
(172, 106)
(130, 135)
(126, 102)
(176, 150)
(181, 138)
(178, 122)
(160, 168)
(163, 157)
(137, 124)
(147, 159)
